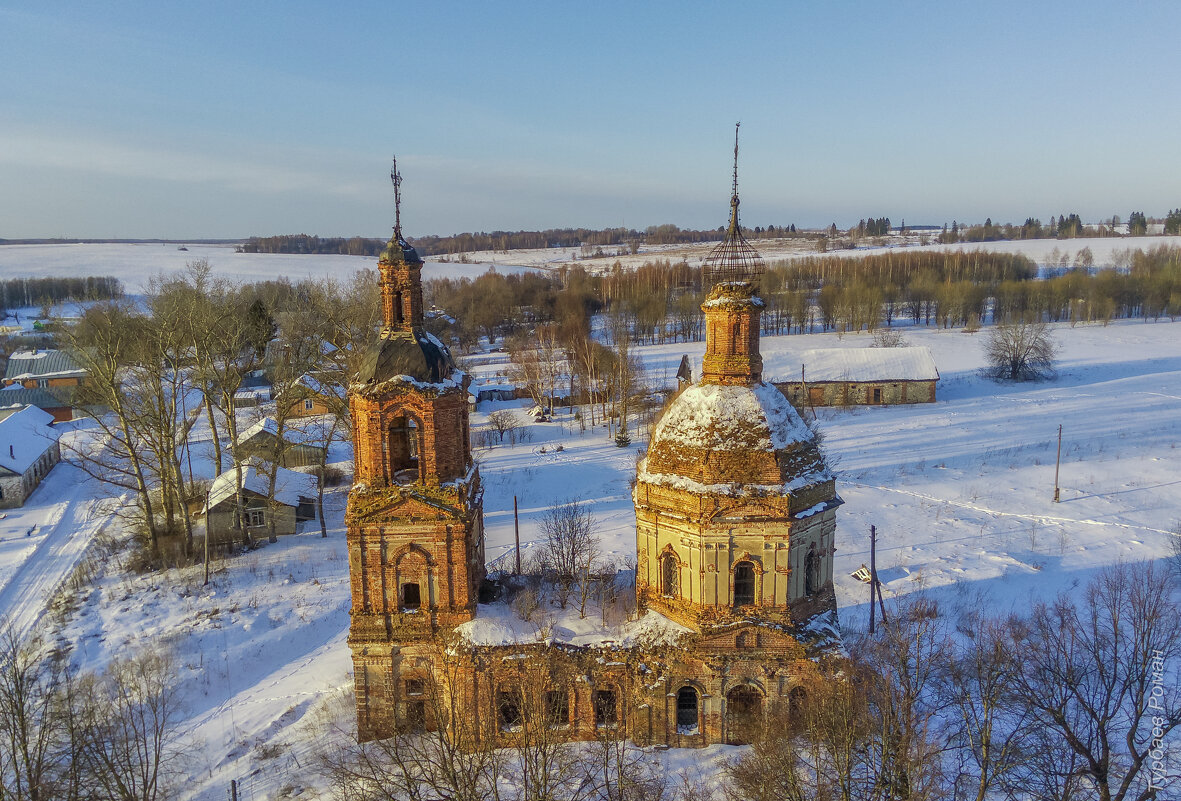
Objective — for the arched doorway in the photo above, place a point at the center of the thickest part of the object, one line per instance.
(744, 584)
(744, 714)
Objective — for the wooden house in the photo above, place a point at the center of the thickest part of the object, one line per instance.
(860, 377)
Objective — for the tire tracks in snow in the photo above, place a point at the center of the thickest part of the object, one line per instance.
(1037, 518)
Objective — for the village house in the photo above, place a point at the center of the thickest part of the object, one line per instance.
(313, 396)
(292, 449)
(57, 402)
(28, 451)
(860, 377)
(294, 502)
(42, 368)
(735, 528)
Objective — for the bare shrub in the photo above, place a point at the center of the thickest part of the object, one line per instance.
(505, 422)
(1019, 350)
(888, 338)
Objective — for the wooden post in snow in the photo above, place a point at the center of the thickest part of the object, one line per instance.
(1057, 464)
(873, 572)
(517, 533)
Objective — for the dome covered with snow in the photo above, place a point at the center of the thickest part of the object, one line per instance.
(715, 434)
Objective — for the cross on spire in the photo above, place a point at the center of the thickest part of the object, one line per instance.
(396, 179)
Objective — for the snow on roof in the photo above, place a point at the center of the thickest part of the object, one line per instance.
(40, 363)
(290, 485)
(864, 364)
(292, 433)
(320, 388)
(727, 418)
(24, 436)
(499, 625)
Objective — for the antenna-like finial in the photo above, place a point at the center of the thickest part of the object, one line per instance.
(735, 192)
(733, 259)
(396, 179)
(734, 189)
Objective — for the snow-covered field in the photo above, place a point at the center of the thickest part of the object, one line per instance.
(135, 265)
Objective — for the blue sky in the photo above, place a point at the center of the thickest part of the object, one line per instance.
(210, 119)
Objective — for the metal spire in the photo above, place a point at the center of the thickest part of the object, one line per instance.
(734, 190)
(733, 259)
(396, 179)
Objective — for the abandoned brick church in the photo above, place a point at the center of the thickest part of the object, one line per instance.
(735, 524)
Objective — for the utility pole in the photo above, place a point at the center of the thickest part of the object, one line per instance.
(1057, 464)
(517, 533)
(873, 571)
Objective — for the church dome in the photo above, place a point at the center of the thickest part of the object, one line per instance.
(415, 354)
(749, 435)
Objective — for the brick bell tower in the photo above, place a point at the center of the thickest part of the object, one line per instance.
(415, 514)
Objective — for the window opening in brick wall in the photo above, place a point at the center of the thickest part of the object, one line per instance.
(508, 710)
(411, 595)
(605, 702)
(686, 710)
(744, 584)
(668, 582)
(557, 707)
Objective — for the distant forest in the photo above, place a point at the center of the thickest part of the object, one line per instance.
(1066, 226)
(667, 234)
(660, 302)
(17, 293)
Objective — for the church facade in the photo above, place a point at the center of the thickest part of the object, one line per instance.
(735, 526)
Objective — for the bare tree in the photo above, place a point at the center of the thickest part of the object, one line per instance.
(901, 668)
(131, 715)
(1097, 677)
(35, 760)
(504, 422)
(990, 721)
(1019, 350)
(570, 547)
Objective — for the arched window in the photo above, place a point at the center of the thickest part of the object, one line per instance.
(403, 449)
(812, 571)
(398, 307)
(744, 584)
(686, 710)
(668, 576)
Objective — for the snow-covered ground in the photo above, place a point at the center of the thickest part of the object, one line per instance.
(135, 265)
(960, 491)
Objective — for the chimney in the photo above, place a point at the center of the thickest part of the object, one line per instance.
(11, 452)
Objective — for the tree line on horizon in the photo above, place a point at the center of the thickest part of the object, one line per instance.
(660, 301)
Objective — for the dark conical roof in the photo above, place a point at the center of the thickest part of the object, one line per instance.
(417, 355)
(399, 250)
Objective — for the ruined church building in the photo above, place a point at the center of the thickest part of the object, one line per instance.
(735, 525)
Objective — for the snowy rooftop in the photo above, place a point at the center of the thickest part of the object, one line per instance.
(727, 418)
(499, 624)
(40, 363)
(290, 485)
(24, 436)
(863, 364)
